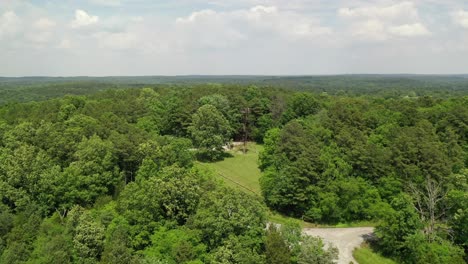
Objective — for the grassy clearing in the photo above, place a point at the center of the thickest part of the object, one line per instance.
(282, 219)
(365, 255)
(241, 170)
(353, 224)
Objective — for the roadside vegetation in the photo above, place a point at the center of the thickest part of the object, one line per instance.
(365, 255)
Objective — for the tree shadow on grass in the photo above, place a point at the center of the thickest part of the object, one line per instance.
(204, 156)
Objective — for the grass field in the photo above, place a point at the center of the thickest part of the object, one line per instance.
(365, 255)
(241, 170)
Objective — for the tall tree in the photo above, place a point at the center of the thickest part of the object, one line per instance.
(210, 131)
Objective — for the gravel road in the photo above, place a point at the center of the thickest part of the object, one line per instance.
(345, 239)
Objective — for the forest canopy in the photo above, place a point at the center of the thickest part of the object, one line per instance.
(112, 176)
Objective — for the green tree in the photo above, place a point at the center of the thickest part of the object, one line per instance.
(296, 163)
(438, 251)
(397, 226)
(228, 212)
(210, 131)
(276, 249)
(313, 252)
(20, 239)
(118, 247)
(53, 244)
(238, 249)
(267, 155)
(301, 105)
(92, 173)
(6, 224)
(180, 245)
(88, 239)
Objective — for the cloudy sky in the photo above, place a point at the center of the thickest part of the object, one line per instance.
(178, 37)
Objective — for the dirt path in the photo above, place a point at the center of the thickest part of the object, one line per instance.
(346, 239)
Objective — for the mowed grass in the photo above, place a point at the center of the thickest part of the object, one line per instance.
(241, 170)
(365, 255)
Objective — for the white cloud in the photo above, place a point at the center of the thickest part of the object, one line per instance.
(207, 29)
(403, 10)
(83, 19)
(461, 18)
(21, 36)
(410, 30)
(257, 21)
(264, 9)
(44, 24)
(10, 23)
(198, 15)
(287, 23)
(382, 22)
(370, 30)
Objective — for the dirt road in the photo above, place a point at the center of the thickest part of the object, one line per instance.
(346, 239)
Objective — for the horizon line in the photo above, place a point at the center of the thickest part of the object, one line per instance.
(238, 75)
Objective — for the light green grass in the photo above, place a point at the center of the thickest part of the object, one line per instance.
(365, 255)
(282, 219)
(354, 224)
(241, 170)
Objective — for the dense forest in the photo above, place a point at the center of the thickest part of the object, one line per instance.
(23, 89)
(114, 177)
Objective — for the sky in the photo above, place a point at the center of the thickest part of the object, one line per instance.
(232, 37)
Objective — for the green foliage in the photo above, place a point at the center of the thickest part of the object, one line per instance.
(104, 177)
(118, 247)
(229, 212)
(238, 249)
(365, 255)
(287, 244)
(291, 232)
(276, 249)
(266, 157)
(286, 187)
(6, 224)
(88, 238)
(210, 131)
(171, 194)
(53, 243)
(347, 200)
(312, 251)
(419, 250)
(19, 240)
(301, 105)
(179, 245)
(91, 174)
(397, 227)
(167, 151)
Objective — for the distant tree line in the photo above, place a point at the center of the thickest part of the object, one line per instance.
(25, 89)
